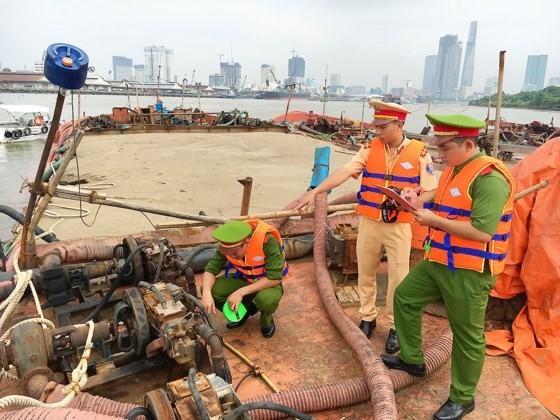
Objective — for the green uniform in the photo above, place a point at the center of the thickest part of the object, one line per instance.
(266, 300)
(464, 292)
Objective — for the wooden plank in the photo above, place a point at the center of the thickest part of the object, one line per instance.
(342, 296)
(352, 293)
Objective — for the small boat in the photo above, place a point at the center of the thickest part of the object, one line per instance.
(23, 123)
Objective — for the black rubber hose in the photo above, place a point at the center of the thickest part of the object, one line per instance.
(196, 395)
(18, 217)
(261, 405)
(153, 288)
(159, 264)
(196, 250)
(140, 411)
(115, 284)
(200, 306)
(219, 361)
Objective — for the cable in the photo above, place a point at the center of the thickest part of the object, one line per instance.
(196, 396)
(263, 405)
(160, 262)
(243, 378)
(115, 284)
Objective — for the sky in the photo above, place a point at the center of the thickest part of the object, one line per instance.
(361, 40)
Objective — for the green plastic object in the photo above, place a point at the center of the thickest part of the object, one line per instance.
(232, 316)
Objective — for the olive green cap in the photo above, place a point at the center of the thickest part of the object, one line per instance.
(231, 234)
(448, 127)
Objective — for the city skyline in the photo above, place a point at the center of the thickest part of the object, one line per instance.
(376, 40)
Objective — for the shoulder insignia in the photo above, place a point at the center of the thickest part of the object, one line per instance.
(265, 240)
(430, 168)
(424, 151)
(367, 145)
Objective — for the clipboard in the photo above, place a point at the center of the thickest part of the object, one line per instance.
(397, 198)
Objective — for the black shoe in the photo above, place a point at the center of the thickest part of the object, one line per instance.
(367, 327)
(392, 345)
(395, 362)
(269, 331)
(452, 411)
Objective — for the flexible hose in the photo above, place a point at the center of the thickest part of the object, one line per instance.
(18, 217)
(196, 250)
(213, 339)
(200, 306)
(154, 289)
(196, 396)
(266, 406)
(115, 284)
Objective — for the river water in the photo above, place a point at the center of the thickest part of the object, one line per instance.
(21, 160)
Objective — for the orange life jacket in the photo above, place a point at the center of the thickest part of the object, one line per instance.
(405, 172)
(453, 201)
(253, 266)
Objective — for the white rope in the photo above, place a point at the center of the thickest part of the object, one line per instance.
(49, 213)
(79, 379)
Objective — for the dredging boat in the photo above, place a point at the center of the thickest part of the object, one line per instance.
(117, 330)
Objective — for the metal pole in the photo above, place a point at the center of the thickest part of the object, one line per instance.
(498, 105)
(362, 123)
(288, 106)
(246, 200)
(137, 99)
(27, 246)
(488, 116)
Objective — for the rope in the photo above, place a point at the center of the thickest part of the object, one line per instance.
(79, 379)
(48, 213)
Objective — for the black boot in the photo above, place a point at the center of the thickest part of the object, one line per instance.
(392, 345)
(251, 310)
(395, 362)
(367, 327)
(269, 331)
(452, 411)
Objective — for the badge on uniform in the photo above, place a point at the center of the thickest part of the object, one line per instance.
(424, 151)
(407, 165)
(430, 168)
(455, 192)
(257, 258)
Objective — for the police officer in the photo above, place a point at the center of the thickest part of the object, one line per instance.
(469, 229)
(390, 160)
(255, 265)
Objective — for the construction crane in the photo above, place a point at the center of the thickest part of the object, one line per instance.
(244, 80)
(221, 55)
(274, 77)
(192, 78)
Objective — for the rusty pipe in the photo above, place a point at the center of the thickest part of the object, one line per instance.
(219, 361)
(154, 347)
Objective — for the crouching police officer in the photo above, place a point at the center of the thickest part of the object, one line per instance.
(469, 230)
(255, 265)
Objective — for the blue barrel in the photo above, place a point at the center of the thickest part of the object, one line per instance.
(321, 166)
(66, 66)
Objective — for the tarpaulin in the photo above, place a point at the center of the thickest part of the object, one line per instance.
(533, 267)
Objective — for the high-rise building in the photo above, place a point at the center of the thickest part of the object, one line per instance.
(231, 73)
(139, 73)
(158, 62)
(468, 65)
(216, 80)
(122, 68)
(448, 67)
(336, 80)
(554, 81)
(534, 74)
(429, 73)
(385, 83)
(268, 72)
(491, 86)
(296, 70)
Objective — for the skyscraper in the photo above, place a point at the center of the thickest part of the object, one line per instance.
(468, 65)
(296, 70)
(267, 72)
(385, 83)
(231, 73)
(448, 67)
(122, 68)
(139, 73)
(429, 73)
(158, 61)
(336, 80)
(534, 74)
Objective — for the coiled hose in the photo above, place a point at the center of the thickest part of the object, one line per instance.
(357, 390)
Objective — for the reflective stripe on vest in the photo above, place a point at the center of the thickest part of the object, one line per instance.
(404, 172)
(255, 253)
(454, 202)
